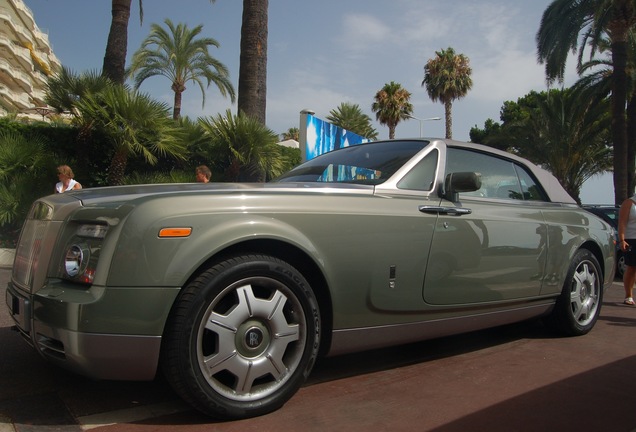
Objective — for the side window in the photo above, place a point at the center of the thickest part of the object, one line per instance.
(422, 176)
(498, 176)
(530, 189)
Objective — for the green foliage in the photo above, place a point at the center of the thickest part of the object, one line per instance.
(134, 124)
(291, 133)
(65, 88)
(481, 136)
(26, 173)
(64, 142)
(447, 76)
(198, 149)
(242, 148)
(9, 124)
(88, 150)
(564, 131)
(511, 112)
(350, 117)
(156, 177)
(290, 158)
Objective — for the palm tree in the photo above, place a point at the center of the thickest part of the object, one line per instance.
(447, 78)
(291, 134)
(63, 91)
(392, 105)
(181, 57)
(243, 147)
(561, 25)
(597, 84)
(115, 58)
(135, 124)
(350, 117)
(252, 86)
(65, 88)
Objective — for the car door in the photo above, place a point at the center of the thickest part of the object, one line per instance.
(495, 250)
(403, 238)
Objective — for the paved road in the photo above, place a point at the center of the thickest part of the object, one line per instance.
(514, 378)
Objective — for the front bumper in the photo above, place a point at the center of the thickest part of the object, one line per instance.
(97, 332)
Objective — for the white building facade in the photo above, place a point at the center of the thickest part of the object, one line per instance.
(26, 59)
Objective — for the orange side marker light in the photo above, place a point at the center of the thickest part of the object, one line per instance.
(174, 232)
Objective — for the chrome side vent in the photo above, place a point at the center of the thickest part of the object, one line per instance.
(51, 347)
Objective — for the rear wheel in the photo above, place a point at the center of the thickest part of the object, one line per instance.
(242, 337)
(579, 304)
(620, 264)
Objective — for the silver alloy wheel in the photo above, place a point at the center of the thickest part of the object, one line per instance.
(251, 339)
(584, 293)
(620, 267)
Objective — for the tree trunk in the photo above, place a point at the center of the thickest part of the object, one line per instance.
(619, 129)
(252, 87)
(117, 168)
(233, 171)
(83, 147)
(448, 113)
(115, 57)
(176, 111)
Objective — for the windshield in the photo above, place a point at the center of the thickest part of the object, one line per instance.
(370, 163)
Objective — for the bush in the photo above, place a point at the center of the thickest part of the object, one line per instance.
(174, 176)
(25, 175)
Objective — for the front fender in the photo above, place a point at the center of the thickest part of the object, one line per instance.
(145, 259)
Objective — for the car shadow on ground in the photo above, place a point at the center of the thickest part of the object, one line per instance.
(333, 368)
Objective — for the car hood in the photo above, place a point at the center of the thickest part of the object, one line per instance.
(132, 192)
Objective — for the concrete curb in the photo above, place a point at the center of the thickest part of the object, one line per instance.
(6, 258)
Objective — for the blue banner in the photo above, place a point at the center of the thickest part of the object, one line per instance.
(323, 137)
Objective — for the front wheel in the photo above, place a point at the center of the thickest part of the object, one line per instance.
(579, 305)
(242, 337)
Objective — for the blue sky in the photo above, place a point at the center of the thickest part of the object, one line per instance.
(323, 53)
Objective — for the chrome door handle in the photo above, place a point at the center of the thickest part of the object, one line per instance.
(452, 211)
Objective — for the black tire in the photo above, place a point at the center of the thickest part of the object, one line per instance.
(242, 337)
(579, 305)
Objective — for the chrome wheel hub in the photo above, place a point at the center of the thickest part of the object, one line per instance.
(252, 339)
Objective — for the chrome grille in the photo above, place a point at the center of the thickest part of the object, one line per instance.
(27, 257)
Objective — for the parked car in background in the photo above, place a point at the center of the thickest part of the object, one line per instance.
(234, 291)
(609, 214)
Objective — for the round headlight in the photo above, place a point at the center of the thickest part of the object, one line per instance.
(74, 260)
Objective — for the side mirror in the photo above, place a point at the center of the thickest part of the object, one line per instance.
(457, 182)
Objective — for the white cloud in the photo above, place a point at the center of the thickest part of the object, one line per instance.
(362, 33)
(508, 76)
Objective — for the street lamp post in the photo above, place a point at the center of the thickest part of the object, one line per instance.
(422, 121)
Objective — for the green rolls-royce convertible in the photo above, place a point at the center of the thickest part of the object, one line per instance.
(234, 291)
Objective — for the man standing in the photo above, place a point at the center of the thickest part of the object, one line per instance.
(203, 174)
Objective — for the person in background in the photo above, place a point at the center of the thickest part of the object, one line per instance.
(203, 174)
(627, 243)
(66, 183)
